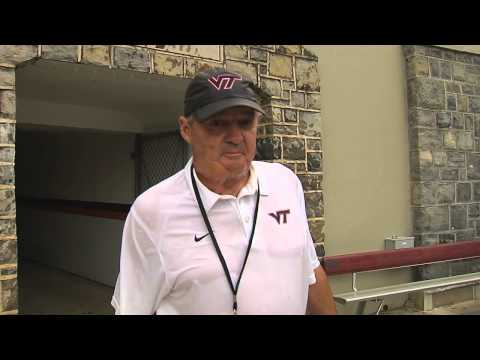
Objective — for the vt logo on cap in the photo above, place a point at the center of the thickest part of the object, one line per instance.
(205, 96)
(223, 82)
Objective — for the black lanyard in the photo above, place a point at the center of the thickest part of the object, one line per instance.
(217, 248)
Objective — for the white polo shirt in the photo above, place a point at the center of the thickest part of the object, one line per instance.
(164, 270)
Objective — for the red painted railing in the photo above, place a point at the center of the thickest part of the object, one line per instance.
(88, 208)
(384, 259)
(340, 264)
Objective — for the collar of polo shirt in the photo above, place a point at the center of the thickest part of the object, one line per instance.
(209, 197)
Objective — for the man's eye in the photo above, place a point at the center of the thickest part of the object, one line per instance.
(246, 123)
(214, 123)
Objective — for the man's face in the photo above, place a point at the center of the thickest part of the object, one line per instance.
(225, 143)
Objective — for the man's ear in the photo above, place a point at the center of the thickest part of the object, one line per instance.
(185, 129)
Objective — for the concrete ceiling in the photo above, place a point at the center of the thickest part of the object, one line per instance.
(155, 100)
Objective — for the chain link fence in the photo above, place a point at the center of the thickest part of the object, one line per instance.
(159, 156)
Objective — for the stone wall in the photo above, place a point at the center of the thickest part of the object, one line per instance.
(443, 89)
(290, 134)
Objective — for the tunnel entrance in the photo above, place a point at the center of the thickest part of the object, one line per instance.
(88, 141)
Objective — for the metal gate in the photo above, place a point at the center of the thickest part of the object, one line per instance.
(158, 157)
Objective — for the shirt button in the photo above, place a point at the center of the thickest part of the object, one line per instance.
(247, 219)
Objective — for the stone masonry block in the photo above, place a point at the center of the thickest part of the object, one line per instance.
(421, 118)
(7, 104)
(60, 52)
(453, 87)
(7, 226)
(434, 67)
(7, 176)
(311, 181)
(474, 104)
(273, 87)
(314, 204)
(168, 64)
(451, 102)
(458, 72)
(7, 133)
(314, 161)
(131, 59)
(458, 216)
(456, 159)
(309, 123)
(449, 174)
(463, 192)
(246, 70)
(433, 193)
(281, 66)
(476, 191)
(236, 51)
(465, 141)
(431, 219)
(474, 210)
(194, 66)
(301, 167)
(313, 101)
(458, 121)
(96, 55)
(280, 129)
(444, 119)
(307, 75)
(473, 166)
(417, 66)
(450, 139)
(258, 55)
(7, 77)
(16, 54)
(445, 70)
(293, 148)
(8, 251)
(439, 158)
(314, 144)
(269, 148)
(316, 230)
(9, 295)
(427, 139)
(7, 154)
(290, 115)
(298, 99)
(7, 202)
(290, 49)
(426, 93)
(419, 173)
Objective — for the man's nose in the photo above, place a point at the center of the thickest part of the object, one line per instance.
(234, 134)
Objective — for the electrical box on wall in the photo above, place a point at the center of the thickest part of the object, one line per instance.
(399, 242)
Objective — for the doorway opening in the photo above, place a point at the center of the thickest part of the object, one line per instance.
(89, 140)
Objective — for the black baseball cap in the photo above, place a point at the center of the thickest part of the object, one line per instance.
(215, 90)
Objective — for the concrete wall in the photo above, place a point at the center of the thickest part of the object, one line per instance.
(365, 143)
(82, 245)
(73, 165)
(76, 165)
(36, 112)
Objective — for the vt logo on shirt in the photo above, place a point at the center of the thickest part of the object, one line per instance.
(277, 215)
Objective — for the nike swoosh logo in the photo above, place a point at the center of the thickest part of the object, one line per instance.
(200, 238)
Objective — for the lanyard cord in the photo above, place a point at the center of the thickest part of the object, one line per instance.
(215, 243)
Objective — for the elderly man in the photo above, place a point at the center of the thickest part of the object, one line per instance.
(225, 235)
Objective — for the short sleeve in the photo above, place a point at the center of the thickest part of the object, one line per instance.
(310, 255)
(142, 282)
